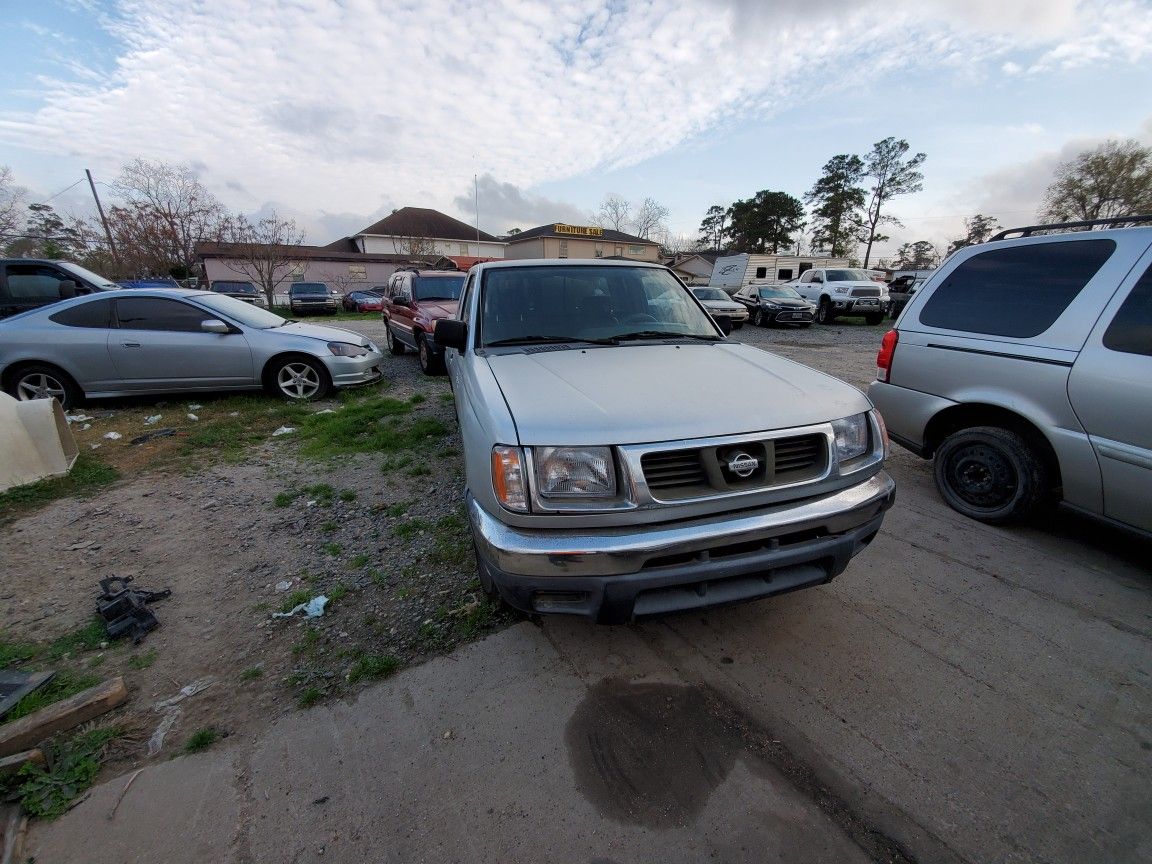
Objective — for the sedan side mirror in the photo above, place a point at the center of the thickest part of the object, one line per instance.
(451, 333)
(215, 325)
(67, 289)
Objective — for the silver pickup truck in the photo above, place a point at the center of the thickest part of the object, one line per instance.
(615, 466)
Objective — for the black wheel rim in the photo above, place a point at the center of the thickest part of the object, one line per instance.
(981, 476)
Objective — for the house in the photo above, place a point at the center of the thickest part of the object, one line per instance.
(693, 269)
(423, 232)
(559, 240)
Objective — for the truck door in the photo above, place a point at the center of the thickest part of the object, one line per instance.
(1111, 391)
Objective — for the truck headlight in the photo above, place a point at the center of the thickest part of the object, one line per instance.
(346, 349)
(571, 472)
(508, 478)
(851, 436)
(841, 289)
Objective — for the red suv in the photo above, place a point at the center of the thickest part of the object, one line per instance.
(414, 301)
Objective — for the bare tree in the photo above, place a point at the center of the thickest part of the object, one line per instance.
(891, 175)
(266, 251)
(650, 216)
(171, 196)
(614, 213)
(11, 204)
(1114, 179)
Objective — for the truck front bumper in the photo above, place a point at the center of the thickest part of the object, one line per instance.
(614, 575)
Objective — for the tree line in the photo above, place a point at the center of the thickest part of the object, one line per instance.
(158, 214)
(849, 205)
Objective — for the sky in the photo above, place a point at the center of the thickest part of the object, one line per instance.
(335, 112)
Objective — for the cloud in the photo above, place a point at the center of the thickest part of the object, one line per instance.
(337, 107)
(504, 206)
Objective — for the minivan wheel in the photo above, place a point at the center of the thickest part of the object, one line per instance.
(824, 313)
(394, 346)
(45, 382)
(990, 474)
(430, 362)
(299, 379)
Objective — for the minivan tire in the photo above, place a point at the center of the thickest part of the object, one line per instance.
(991, 474)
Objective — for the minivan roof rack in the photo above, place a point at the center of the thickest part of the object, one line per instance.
(1028, 230)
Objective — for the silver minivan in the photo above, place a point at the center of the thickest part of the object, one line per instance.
(1023, 367)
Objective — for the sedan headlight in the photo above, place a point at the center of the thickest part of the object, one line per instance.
(572, 472)
(768, 304)
(851, 436)
(346, 349)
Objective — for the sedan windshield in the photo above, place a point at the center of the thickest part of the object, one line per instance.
(710, 294)
(437, 287)
(779, 292)
(848, 276)
(88, 276)
(239, 311)
(587, 304)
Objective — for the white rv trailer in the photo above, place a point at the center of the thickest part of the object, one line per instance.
(733, 272)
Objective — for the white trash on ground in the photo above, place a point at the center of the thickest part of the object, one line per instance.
(155, 418)
(314, 608)
(113, 436)
(185, 691)
(284, 430)
(157, 739)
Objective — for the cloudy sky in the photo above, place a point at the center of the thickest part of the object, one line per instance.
(337, 111)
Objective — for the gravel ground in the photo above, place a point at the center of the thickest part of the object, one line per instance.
(383, 535)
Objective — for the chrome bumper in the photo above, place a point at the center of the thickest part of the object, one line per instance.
(622, 551)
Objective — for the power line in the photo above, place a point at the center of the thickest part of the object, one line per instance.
(62, 191)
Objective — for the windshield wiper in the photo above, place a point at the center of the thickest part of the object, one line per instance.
(664, 334)
(530, 340)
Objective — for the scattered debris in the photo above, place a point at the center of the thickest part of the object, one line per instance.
(123, 792)
(284, 430)
(85, 427)
(195, 406)
(22, 734)
(314, 608)
(323, 799)
(156, 742)
(326, 411)
(153, 420)
(185, 691)
(148, 436)
(125, 611)
(77, 418)
(283, 586)
(233, 413)
(192, 417)
(113, 436)
(14, 686)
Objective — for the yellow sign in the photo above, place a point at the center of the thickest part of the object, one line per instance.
(581, 230)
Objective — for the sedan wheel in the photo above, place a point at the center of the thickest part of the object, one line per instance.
(299, 380)
(758, 318)
(44, 382)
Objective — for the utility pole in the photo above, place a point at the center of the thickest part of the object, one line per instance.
(476, 193)
(103, 219)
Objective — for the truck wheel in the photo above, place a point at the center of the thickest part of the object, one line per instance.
(990, 474)
(431, 363)
(394, 346)
(824, 313)
(874, 317)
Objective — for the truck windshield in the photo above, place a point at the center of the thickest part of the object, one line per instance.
(847, 276)
(591, 304)
(309, 288)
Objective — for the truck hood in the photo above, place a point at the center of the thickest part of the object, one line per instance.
(643, 393)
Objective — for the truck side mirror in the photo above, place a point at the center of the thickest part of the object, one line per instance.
(67, 289)
(451, 333)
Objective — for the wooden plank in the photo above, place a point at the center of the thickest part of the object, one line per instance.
(12, 764)
(14, 686)
(25, 733)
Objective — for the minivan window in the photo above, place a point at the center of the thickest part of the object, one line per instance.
(1131, 330)
(1018, 291)
(98, 314)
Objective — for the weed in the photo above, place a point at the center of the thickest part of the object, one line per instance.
(339, 592)
(88, 638)
(419, 471)
(377, 577)
(348, 495)
(295, 599)
(372, 666)
(75, 762)
(332, 549)
(284, 499)
(143, 661)
(12, 653)
(202, 739)
(63, 684)
(87, 475)
(261, 608)
(416, 399)
(404, 592)
(359, 561)
(395, 463)
(252, 674)
(369, 620)
(307, 643)
(447, 397)
(310, 697)
(397, 509)
(408, 530)
(329, 527)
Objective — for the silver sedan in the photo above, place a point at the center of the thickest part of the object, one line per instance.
(169, 341)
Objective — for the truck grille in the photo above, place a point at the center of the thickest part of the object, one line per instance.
(865, 292)
(677, 474)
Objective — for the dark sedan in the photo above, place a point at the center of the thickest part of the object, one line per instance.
(776, 304)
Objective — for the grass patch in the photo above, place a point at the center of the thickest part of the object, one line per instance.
(13, 653)
(397, 509)
(329, 527)
(408, 530)
(90, 637)
(395, 463)
(143, 661)
(419, 471)
(89, 474)
(300, 595)
(284, 499)
(452, 543)
(447, 397)
(348, 495)
(376, 424)
(47, 792)
(372, 666)
(64, 684)
(332, 549)
(321, 493)
(416, 399)
(307, 643)
(359, 561)
(252, 674)
(310, 697)
(202, 739)
(339, 592)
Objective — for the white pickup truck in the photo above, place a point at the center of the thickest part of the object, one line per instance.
(839, 291)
